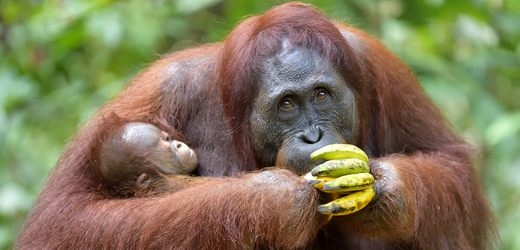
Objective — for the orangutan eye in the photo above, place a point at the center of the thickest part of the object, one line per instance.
(321, 94)
(286, 104)
(165, 135)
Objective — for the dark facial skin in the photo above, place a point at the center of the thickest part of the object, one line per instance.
(302, 104)
(139, 153)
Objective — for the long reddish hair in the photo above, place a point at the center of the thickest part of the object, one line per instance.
(261, 37)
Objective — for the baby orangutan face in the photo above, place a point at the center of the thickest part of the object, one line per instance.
(140, 152)
(155, 146)
(184, 155)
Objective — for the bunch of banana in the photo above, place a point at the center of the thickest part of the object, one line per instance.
(346, 171)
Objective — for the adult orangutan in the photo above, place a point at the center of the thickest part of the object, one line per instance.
(282, 85)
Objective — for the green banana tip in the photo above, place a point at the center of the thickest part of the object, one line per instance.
(327, 187)
(315, 158)
(317, 172)
(313, 182)
(324, 210)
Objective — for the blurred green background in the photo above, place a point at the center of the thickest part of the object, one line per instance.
(61, 59)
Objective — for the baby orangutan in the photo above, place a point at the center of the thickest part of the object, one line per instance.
(137, 159)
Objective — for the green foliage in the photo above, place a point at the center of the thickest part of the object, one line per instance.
(61, 60)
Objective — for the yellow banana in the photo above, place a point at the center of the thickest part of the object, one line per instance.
(339, 151)
(352, 182)
(342, 167)
(318, 182)
(348, 204)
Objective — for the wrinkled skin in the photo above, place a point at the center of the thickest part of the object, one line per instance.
(302, 105)
(140, 152)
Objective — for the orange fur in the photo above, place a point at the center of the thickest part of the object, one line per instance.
(203, 96)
